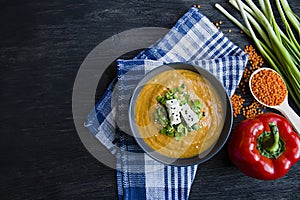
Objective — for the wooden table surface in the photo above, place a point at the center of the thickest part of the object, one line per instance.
(42, 45)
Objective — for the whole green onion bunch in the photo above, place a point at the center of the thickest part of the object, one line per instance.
(278, 44)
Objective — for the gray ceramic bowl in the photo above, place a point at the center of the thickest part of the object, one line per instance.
(203, 156)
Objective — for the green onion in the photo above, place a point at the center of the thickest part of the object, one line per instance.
(159, 98)
(174, 90)
(155, 116)
(176, 96)
(279, 47)
(178, 138)
(180, 90)
(163, 102)
(196, 127)
(183, 101)
(171, 133)
(183, 86)
(200, 115)
(162, 122)
(197, 103)
(158, 111)
(169, 95)
(180, 129)
(163, 131)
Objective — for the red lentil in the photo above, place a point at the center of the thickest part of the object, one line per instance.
(238, 102)
(255, 60)
(268, 87)
(252, 110)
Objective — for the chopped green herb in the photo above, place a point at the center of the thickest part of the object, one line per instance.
(176, 96)
(180, 90)
(187, 96)
(180, 128)
(195, 109)
(163, 131)
(162, 122)
(178, 138)
(183, 86)
(196, 127)
(190, 103)
(169, 96)
(199, 115)
(163, 101)
(197, 103)
(161, 117)
(182, 102)
(170, 133)
(158, 112)
(170, 128)
(159, 98)
(155, 115)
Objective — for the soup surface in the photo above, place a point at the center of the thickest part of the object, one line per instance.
(194, 142)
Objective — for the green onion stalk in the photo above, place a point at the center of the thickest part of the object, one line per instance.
(279, 47)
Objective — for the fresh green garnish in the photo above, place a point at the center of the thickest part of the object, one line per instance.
(178, 138)
(183, 86)
(196, 127)
(197, 103)
(170, 131)
(176, 96)
(178, 131)
(181, 130)
(163, 131)
(200, 115)
(169, 95)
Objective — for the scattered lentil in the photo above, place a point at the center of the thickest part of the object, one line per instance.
(238, 102)
(217, 24)
(255, 60)
(252, 110)
(268, 87)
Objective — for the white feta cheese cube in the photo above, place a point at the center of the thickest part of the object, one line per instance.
(189, 116)
(174, 108)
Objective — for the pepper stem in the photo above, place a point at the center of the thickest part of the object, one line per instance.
(269, 143)
(275, 134)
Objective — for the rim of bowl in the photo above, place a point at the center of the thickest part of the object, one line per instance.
(210, 152)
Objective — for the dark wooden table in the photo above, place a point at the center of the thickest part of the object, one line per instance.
(42, 45)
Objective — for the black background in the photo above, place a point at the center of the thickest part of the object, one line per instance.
(42, 45)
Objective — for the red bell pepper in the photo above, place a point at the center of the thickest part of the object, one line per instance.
(265, 147)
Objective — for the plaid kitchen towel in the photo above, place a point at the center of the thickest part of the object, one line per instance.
(194, 40)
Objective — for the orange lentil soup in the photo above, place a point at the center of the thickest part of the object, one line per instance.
(195, 142)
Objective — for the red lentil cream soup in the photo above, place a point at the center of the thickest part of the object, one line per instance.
(179, 114)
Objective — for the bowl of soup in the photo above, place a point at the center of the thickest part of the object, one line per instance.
(180, 114)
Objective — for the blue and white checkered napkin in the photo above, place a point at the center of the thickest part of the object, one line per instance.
(193, 39)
